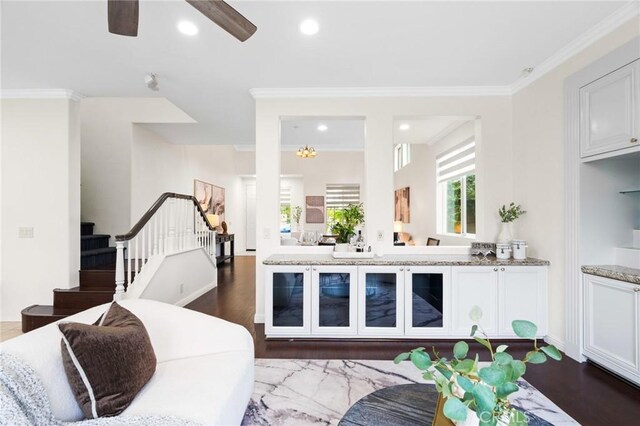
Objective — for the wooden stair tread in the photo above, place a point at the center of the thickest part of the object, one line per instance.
(98, 251)
(47, 311)
(92, 236)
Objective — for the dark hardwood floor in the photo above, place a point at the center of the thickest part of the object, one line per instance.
(587, 393)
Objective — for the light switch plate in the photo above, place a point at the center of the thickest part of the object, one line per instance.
(26, 232)
(380, 235)
(266, 233)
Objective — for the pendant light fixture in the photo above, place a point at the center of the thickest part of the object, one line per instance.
(307, 152)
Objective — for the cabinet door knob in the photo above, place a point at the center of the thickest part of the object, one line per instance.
(402, 269)
(495, 269)
(637, 289)
(502, 269)
(408, 269)
(306, 269)
(633, 140)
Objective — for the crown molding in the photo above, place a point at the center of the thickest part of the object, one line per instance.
(377, 92)
(601, 29)
(41, 94)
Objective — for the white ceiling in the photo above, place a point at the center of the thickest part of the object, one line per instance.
(342, 134)
(54, 44)
(426, 130)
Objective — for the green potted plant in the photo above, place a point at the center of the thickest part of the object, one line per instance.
(474, 394)
(507, 216)
(347, 220)
(296, 212)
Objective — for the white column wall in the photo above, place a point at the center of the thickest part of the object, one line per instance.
(40, 190)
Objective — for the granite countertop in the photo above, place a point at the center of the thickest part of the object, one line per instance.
(412, 259)
(615, 272)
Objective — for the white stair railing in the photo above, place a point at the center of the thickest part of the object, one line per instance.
(175, 223)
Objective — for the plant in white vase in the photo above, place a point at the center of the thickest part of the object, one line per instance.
(507, 216)
(475, 394)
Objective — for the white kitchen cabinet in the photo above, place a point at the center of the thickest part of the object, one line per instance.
(334, 300)
(610, 112)
(380, 301)
(522, 295)
(427, 301)
(288, 301)
(474, 286)
(612, 321)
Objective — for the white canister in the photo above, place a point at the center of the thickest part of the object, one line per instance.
(519, 249)
(503, 251)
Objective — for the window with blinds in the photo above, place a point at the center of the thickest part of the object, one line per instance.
(285, 210)
(457, 161)
(338, 197)
(455, 173)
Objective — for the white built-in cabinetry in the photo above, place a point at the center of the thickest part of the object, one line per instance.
(610, 113)
(612, 325)
(405, 301)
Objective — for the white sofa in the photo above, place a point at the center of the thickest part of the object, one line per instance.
(204, 371)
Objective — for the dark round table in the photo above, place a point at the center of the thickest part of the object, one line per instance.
(402, 405)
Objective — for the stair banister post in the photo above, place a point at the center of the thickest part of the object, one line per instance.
(119, 270)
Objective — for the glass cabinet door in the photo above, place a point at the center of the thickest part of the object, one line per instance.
(380, 300)
(333, 302)
(427, 300)
(287, 300)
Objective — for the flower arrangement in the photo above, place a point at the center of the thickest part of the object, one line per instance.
(511, 213)
(466, 386)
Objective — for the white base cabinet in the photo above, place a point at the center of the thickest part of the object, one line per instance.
(612, 322)
(334, 301)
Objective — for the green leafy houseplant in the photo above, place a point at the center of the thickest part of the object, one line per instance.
(465, 385)
(511, 213)
(297, 213)
(347, 220)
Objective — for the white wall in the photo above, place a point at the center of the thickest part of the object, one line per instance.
(106, 134)
(169, 285)
(495, 157)
(538, 148)
(158, 166)
(40, 189)
(420, 176)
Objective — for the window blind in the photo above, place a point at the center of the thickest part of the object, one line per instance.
(285, 196)
(457, 161)
(341, 195)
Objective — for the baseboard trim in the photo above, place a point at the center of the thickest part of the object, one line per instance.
(193, 296)
(258, 319)
(552, 340)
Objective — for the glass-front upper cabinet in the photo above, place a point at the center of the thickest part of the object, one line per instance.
(380, 300)
(427, 300)
(334, 300)
(288, 300)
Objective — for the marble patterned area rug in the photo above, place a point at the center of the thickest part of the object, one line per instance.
(319, 392)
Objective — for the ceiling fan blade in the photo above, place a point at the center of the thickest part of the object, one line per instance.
(123, 17)
(226, 17)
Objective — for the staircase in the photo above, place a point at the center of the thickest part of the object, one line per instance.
(97, 282)
(174, 225)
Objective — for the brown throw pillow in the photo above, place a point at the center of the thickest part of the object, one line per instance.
(107, 363)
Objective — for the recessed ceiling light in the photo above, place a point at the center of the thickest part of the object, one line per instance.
(322, 128)
(404, 126)
(309, 27)
(187, 28)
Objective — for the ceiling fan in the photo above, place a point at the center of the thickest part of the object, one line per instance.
(123, 17)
